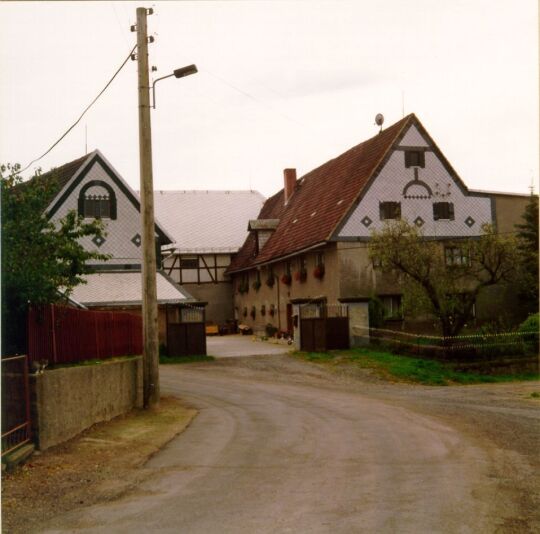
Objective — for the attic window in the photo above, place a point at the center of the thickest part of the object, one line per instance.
(443, 210)
(97, 200)
(97, 206)
(414, 158)
(389, 210)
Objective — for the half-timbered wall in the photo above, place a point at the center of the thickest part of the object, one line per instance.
(197, 268)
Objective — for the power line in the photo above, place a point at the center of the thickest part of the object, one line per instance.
(84, 112)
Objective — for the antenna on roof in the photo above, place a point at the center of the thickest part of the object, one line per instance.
(379, 119)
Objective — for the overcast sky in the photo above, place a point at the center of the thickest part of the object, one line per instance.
(280, 84)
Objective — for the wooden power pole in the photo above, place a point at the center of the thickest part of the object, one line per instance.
(149, 289)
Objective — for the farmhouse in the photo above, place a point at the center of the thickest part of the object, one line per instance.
(308, 245)
(91, 186)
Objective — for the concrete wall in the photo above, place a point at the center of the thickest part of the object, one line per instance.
(68, 400)
(509, 210)
(219, 297)
(357, 278)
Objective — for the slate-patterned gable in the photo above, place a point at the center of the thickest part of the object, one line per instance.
(423, 193)
(122, 238)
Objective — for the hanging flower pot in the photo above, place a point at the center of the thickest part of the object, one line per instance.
(263, 310)
(270, 281)
(286, 279)
(256, 285)
(318, 272)
(300, 276)
(272, 310)
(253, 312)
(244, 313)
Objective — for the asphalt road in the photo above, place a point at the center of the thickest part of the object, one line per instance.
(282, 446)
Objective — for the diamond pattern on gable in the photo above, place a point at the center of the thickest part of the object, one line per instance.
(413, 138)
(469, 221)
(419, 221)
(98, 240)
(136, 240)
(366, 221)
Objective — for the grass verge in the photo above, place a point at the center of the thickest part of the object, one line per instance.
(405, 368)
(185, 359)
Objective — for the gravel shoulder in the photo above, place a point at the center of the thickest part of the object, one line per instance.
(100, 465)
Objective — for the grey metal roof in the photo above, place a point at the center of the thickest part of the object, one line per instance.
(207, 221)
(124, 288)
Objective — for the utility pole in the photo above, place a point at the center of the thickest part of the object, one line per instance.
(149, 289)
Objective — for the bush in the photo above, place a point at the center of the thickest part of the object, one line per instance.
(271, 330)
(529, 328)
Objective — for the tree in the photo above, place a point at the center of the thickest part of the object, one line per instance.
(443, 279)
(527, 239)
(39, 257)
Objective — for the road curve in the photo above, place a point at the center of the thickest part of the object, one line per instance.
(267, 457)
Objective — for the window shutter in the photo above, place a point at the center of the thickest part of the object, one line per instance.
(451, 211)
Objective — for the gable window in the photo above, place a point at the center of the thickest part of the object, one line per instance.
(414, 158)
(443, 210)
(97, 206)
(456, 256)
(97, 200)
(389, 210)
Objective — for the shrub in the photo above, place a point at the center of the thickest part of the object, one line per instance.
(529, 328)
(271, 330)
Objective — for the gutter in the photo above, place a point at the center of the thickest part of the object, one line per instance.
(280, 258)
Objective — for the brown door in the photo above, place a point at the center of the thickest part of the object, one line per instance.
(289, 319)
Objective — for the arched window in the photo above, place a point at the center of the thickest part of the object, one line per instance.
(97, 200)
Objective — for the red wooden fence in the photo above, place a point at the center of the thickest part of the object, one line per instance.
(67, 335)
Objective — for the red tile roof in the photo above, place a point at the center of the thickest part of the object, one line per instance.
(321, 200)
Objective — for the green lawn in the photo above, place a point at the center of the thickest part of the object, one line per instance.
(405, 368)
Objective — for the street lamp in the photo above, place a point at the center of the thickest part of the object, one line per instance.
(178, 73)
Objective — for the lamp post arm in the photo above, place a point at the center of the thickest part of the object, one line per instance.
(154, 88)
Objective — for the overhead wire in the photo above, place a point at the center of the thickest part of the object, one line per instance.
(84, 112)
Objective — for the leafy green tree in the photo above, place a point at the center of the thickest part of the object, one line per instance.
(443, 280)
(39, 257)
(527, 238)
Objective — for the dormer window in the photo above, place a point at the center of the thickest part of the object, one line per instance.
(97, 201)
(443, 211)
(389, 210)
(414, 158)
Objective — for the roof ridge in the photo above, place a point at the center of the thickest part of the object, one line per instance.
(404, 122)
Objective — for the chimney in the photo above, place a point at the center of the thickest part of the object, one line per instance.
(289, 178)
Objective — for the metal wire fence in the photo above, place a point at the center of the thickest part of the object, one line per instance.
(480, 346)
